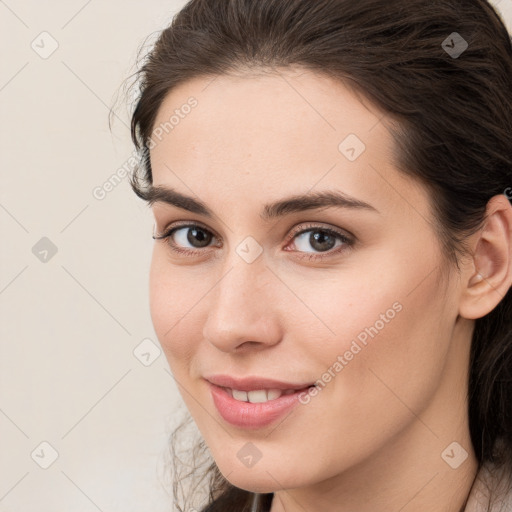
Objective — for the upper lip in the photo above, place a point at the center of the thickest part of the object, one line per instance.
(253, 383)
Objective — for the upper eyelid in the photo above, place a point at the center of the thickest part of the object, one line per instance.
(172, 227)
(299, 229)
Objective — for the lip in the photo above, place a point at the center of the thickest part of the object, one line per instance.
(254, 383)
(246, 414)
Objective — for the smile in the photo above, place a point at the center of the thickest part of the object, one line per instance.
(253, 409)
(258, 396)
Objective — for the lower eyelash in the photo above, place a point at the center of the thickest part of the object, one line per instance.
(310, 256)
(180, 250)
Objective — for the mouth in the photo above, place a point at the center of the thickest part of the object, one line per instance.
(255, 384)
(261, 396)
(257, 407)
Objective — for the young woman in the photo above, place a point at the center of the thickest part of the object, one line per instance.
(331, 185)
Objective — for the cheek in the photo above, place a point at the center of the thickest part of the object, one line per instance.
(390, 347)
(395, 318)
(172, 296)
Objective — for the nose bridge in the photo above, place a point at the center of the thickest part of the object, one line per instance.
(239, 290)
(240, 306)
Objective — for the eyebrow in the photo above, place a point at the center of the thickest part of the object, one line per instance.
(286, 206)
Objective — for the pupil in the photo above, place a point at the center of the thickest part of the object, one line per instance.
(318, 241)
(198, 235)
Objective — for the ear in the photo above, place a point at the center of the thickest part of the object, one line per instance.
(488, 275)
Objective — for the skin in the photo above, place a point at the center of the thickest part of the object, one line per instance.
(372, 439)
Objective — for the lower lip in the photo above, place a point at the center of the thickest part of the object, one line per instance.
(248, 415)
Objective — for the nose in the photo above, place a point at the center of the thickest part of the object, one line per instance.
(243, 313)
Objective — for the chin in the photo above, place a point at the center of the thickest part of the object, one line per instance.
(262, 485)
(262, 479)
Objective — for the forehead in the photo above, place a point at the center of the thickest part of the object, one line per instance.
(264, 132)
(300, 106)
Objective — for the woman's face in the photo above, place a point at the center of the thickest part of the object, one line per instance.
(365, 310)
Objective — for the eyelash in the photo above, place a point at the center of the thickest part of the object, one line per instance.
(347, 242)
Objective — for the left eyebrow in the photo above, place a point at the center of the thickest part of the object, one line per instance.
(286, 206)
(311, 201)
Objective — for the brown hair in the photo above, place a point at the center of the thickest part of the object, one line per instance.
(454, 130)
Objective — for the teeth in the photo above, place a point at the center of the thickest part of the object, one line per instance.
(272, 394)
(239, 395)
(258, 396)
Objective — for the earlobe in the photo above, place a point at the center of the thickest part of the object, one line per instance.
(489, 273)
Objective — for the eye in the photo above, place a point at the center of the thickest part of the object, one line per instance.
(189, 239)
(321, 240)
(193, 234)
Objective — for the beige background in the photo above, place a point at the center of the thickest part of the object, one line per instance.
(72, 371)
